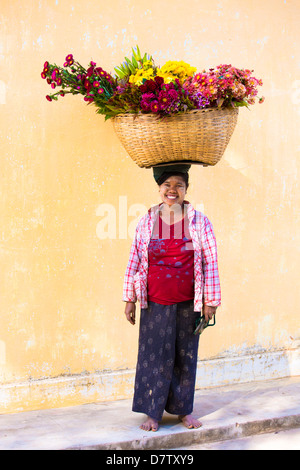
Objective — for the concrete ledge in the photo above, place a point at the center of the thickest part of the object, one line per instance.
(105, 386)
(200, 436)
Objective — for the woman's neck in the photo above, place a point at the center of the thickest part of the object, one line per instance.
(172, 214)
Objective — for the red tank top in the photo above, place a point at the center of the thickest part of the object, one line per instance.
(170, 263)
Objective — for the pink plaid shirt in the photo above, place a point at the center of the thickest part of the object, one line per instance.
(206, 276)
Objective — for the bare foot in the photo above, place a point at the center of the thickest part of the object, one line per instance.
(149, 425)
(190, 422)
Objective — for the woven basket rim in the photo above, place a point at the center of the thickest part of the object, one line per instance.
(190, 111)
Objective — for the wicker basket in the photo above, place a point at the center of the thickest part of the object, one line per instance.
(199, 136)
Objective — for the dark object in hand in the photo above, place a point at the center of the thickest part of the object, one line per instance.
(201, 324)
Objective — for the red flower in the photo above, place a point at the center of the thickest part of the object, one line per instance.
(90, 71)
(151, 85)
(43, 75)
(173, 94)
(48, 98)
(144, 88)
(159, 80)
(69, 58)
(87, 85)
(154, 107)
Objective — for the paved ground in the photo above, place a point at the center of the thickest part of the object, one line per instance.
(228, 414)
(279, 440)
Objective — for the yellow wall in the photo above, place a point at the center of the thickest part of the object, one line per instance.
(61, 313)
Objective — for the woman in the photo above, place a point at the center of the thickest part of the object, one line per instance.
(173, 272)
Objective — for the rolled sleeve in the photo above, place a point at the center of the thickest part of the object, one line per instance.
(212, 288)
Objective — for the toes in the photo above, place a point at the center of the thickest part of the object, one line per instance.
(149, 425)
(190, 422)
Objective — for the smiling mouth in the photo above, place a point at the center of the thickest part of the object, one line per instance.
(171, 197)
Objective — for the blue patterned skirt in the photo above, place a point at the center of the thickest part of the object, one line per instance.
(167, 360)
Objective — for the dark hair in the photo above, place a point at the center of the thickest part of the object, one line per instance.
(168, 174)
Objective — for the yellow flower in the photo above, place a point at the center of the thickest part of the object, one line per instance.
(147, 64)
(140, 75)
(176, 69)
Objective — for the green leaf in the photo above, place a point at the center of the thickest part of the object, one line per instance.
(138, 51)
(134, 63)
(240, 103)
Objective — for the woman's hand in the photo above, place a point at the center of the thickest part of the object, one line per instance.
(208, 312)
(130, 312)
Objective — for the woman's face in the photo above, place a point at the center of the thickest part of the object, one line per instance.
(173, 190)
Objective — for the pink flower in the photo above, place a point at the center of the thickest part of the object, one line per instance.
(100, 91)
(43, 75)
(53, 85)
(48, 98)
(54, 73)
(89, 99)
(173, 94)
(96, 84)
(163, 99)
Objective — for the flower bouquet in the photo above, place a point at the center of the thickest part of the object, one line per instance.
(161, 114)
